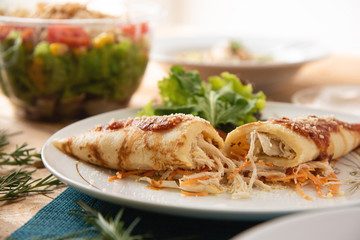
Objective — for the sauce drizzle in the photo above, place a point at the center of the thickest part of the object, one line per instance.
(317, 129)
(153, 123)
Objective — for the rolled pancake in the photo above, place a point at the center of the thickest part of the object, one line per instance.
(289, 142)
(147, 143)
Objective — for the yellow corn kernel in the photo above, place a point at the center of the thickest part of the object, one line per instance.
(102, 39)
(80, 51)
(58, 49)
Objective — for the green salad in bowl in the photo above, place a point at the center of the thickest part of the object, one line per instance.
(65, 61)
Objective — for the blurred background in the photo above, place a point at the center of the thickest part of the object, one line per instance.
(333, 23)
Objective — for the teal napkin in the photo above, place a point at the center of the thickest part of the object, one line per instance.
(54, 221)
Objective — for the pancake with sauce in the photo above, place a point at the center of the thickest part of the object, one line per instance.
(286, 142)
(176, 151)
(147, 143)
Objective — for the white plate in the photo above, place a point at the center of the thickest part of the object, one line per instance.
(289, 55)
(263, 205)
(344, 98)
(330, 225)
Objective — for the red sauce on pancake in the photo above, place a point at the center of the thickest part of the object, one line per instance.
(317, 129)
(154, 123)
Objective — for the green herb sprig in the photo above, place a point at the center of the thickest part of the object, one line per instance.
(19, 184)
(22, 155)
(109, 228)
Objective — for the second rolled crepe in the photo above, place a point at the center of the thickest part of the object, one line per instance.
(287, 142)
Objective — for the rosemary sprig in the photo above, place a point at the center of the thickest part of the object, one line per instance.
(109, 228)
(19, 184)
(3, 138)
(22, 155)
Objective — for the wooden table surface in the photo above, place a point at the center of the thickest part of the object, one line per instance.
(332, 70)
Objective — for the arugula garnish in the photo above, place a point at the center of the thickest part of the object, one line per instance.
(224, 101)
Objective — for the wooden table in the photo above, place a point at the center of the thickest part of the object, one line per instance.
(332, 70)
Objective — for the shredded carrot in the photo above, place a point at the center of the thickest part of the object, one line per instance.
(180, 171)
(149, 173)
(112, 178)
(120, 175)
(270, 177)
(315, 179)
(200, 194)
(334, 187)
(324, 179)
(304, 176)
(289, 177)
(264, 164)
(318, 190)
(153, 187)
(239, 169)
(172, 174)
(193, 180)
(333, 177)
(156, 183)
(301, 192)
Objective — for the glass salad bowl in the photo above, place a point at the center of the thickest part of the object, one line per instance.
(66, 60)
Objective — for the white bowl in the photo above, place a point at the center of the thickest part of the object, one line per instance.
(288, 57)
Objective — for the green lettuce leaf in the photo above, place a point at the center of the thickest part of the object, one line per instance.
(224, 101)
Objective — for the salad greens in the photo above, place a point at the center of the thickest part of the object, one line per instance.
(224, 101)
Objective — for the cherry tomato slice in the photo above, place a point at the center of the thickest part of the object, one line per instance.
(26, 32)
(71, 36)
(4, 31)
(130, 29)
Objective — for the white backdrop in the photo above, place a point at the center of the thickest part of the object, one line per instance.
(334, 23)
